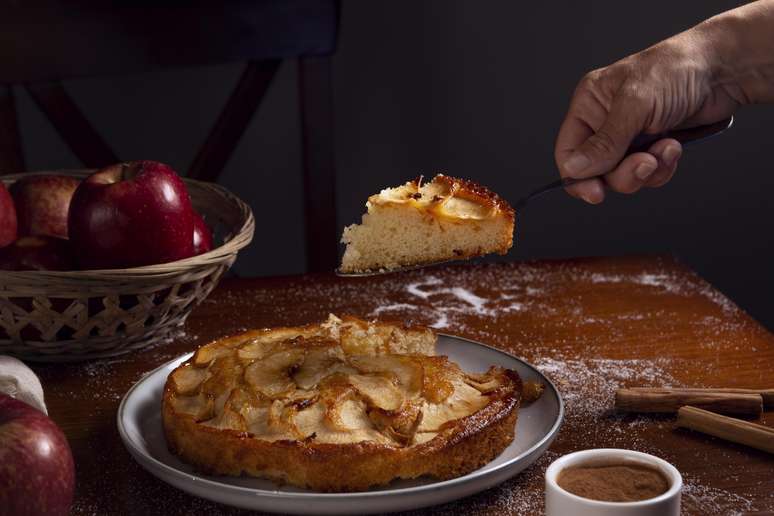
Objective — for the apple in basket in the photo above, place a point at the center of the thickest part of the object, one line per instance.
(37, 253)
(7, 217)
(37, 475)
(129, 215)
(202, 235)
(42, 202)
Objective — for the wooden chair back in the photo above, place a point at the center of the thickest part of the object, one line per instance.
(47, 44)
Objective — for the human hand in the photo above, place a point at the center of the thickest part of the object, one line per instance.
(670, 85)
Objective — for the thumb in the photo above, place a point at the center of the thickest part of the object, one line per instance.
(604, 149)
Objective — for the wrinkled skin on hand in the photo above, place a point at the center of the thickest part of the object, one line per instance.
(688, 80)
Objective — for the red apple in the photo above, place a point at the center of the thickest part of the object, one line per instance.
(131, 214)
(202, 235)
(37, 474)
(37, 253)
(8, 224)
(42, 203)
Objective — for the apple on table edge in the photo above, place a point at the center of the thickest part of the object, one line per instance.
(129, 215)
(37, 473)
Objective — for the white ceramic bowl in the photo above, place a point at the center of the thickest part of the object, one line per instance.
(562, 503)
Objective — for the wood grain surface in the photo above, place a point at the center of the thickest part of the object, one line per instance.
(592, 325)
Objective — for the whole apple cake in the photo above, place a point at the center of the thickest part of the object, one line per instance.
(420, 223)
(339, 406)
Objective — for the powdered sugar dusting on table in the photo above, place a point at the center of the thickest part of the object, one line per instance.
(486, 303)
(460, 300)
(698, 498)
(97, 374)
(515, 496)
(516, 294)
(588, 385)
(588, 388)
(671, 283)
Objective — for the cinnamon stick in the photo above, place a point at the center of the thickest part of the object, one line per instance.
(670, 400)
(728, 428)
(766, 394)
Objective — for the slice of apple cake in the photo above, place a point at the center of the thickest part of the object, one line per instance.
(416, 223)
(340, 406)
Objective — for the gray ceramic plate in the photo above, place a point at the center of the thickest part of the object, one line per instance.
(139, 423)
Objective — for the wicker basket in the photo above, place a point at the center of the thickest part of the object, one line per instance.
(52, 316)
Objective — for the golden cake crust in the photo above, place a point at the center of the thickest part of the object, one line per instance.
(457, 447)
(473, 191)
(451, 187)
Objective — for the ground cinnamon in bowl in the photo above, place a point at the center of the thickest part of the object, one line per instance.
(614, 482)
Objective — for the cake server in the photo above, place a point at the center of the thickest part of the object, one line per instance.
(641, 143)
(686, 137)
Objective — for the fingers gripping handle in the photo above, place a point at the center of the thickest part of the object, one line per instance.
(641, 143)
(687, 136)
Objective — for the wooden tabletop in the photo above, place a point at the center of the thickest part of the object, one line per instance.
(591, 325)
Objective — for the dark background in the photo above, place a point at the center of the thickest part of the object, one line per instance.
(475, 89)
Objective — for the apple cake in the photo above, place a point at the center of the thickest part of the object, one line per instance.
(340, 406)
(416, 223)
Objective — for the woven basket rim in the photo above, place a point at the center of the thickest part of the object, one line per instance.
(240, 238)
